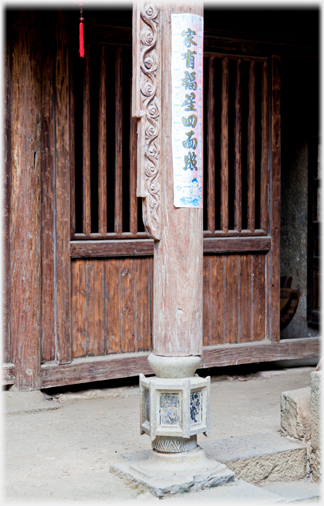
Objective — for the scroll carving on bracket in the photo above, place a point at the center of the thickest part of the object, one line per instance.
(146, 108)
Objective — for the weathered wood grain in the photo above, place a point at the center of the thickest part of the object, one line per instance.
(25, 212)
(264, 149)
(95, 307)
(245, 299)
(72, 144)
(112, 306)
(178, 293)
(258, 262)
(127, 301)
(102, 144)
(142, 305)
(206, 299)
(145, 247)
(211, 147)
(79, 308)
(47, 215)
(118, 142)
(8, 374)
(224, 147)
(132, 364)
(133, 176)
(238, 150)
(231, 299)
(218, 300)
(86, 174)
(275, 201)
(63, 265)
(251, 150)
(6, 204)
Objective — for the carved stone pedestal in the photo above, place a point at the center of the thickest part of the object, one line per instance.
(173, 411)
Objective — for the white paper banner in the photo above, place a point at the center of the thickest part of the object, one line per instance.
(187, 109)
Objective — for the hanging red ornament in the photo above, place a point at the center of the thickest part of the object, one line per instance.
(81, 36)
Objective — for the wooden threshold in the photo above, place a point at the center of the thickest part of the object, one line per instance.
(8, 374)
(145, 247)
(128, 364)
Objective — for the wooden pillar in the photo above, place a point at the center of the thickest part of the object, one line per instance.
(25, 224)
(178, 256)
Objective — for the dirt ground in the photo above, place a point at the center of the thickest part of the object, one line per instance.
(65, 453)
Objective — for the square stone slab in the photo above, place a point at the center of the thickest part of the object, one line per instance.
(167, 474)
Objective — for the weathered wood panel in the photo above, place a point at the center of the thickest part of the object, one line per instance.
(78, 306)
(238, 150)
(95, 305)
(258, 262)
(6, 204)
(111, 306)
(25, 222)
(218, 300)
(63, 266)
(245, 300)
(211, 146)
(47, 182)
(128, 365)
(206, 300)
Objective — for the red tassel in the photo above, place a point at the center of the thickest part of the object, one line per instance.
(81, 37)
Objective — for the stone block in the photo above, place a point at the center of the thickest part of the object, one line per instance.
(315, 454)
(260, 457)
(295, 413)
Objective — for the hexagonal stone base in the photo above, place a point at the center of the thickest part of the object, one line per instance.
(168, 473)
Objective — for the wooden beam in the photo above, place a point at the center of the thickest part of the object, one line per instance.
(224, 147)
(145, 247)
(25, 220)
(102, 144)
(6, 203)
(238, 150)
(86, 174)
(118, 143)
(63, 264)
(132, 364)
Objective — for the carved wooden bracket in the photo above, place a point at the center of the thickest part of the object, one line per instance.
(146, 108)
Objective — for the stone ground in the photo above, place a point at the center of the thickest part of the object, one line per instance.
(65, 453)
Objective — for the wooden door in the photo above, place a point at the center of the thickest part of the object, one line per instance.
(103, 275)
(241, 222)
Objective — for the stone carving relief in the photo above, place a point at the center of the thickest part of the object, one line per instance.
(146, 100)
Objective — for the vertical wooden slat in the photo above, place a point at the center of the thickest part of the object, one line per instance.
(217, 306)
(102, 144)
(264, 150)
(142, 304)
(112, 296)
(224, 147)
(118, 142)
(151, 301)
(86, 146)
(63, 263)
(232, 299)
(132, 176)
(275, 201)
(127, 307)
(206, 301)
(6, 206)
(211, 147)
(95, 313)
(258, 266)
(79, 307)
(48, 288)
(238, 151)
(251, 149)
(25, 213)
(245, 300)
(72, 148)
